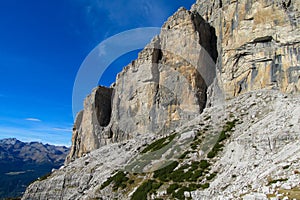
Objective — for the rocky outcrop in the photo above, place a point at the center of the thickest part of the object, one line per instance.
(90, 122)
(164, 88)
(258, 43)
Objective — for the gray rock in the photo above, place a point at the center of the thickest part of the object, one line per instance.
(90, 122)
(258, 43)
(164, 88)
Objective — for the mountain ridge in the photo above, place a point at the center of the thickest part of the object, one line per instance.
(23, 162)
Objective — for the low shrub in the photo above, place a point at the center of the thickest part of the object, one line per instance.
(146, 187)
(193, 186)
(211, 176)
(183, 156)
(205, 185)
(180, 193)
(163, 173)
(286, 167)
(177, 176)
(196, 175)
(204, 164)
(119, 180)
(211, 154)
(223, 136)
(158, 144)
(171, 189)
(195, 165)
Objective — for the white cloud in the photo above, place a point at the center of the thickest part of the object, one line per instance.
(33, 119)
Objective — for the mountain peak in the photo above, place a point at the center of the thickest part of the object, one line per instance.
(11, 141)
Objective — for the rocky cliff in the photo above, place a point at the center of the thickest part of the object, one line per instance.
(90, 122)
(247, 45)
(258, 43)
(214, 72)
(164, 88)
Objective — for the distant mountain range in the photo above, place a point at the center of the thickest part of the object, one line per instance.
(21, 163)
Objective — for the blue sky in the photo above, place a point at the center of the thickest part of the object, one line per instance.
(42, 45)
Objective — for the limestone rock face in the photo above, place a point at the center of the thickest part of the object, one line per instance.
(90, 122)
(164, 88)
(258, 43)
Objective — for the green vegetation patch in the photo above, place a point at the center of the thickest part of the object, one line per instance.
(180, 193)
(204, 164)
(207, 118)
(158, 144)
(183, 156)
(217, 147)
(172, 188)
(187, 177)
(223, 136)
(192, 175)
(147, 187)
(191, 187)
(205, 185)
(164, 172)
(119, 180)
(211, 176)
(230, 125)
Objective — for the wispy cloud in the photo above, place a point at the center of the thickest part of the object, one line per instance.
(33, 119)
(135, 13)
(105, 18)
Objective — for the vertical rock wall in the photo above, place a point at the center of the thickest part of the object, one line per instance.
(164, 88)
(90, 122)
(258, 43)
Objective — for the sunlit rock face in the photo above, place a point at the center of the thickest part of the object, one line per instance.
(90, 122)
(254, 43)
(258, 43)
(164, 88)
